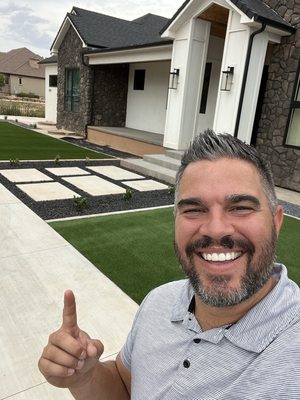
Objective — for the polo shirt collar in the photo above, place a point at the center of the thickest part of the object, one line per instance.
(262, 324)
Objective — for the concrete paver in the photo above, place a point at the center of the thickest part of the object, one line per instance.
(24, 175)
(66, 171)
(37, 266)
(114, 172)
(146, 184)
(47, 191)
(95, 185)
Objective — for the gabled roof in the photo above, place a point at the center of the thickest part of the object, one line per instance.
(103, 31)
(21, 62)
(256, 9)
(49, 60)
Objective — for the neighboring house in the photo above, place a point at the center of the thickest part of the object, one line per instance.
(22, 72)
(230, 65)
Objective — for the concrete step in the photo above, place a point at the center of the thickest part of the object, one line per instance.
(177, 154)
(148, 168)
(163, 160)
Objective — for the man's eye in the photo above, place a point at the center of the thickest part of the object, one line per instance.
(192, 211)
(242, 209)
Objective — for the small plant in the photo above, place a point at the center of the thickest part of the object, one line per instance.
(87, 159)
(33, 126)
(14, 162)
(128, 194)
(171, 190)
(57, 159)
(80, 203)
(5, 117)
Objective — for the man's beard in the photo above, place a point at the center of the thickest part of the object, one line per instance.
(219, 293)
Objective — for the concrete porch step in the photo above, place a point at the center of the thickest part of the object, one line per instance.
(163, 160)
(148, 168)
(177, 154)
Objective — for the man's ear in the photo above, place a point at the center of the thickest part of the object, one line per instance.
(278, 218)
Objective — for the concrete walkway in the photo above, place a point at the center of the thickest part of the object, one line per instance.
(37, 266)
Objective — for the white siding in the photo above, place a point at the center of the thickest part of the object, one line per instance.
(146, 109)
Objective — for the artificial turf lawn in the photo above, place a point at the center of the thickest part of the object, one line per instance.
(24, 144)
(135, 250)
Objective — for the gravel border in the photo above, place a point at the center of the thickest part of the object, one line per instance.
(55, 209)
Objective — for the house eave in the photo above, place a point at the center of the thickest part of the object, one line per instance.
(131, 54)
(61, 34)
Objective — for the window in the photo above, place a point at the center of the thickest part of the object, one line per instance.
(293, 130)
(52, 80)
(206, 80)
(20, 81)
(72, 82)
(139, 79)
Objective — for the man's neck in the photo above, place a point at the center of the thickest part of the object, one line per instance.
(213, 317)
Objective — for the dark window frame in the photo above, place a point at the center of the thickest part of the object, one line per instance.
(72, 90)
(53, 80)
(139, 79)
(294, 105)
(205, 87)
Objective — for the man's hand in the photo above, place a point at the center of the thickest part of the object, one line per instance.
(70, 355)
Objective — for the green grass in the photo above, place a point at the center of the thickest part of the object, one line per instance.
(135, 250)
(25, 144)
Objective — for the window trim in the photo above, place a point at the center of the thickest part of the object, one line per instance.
(294, 104)
(72, 97)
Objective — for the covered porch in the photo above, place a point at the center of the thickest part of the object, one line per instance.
(129, 140)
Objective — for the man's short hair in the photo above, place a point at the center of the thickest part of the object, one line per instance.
(211, 146)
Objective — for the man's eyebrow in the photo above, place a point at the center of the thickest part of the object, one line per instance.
(238, 198)
(191, 201)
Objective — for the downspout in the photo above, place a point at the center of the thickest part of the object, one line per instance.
(250, 45)
(92, 93)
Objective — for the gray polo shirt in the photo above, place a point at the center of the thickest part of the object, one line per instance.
(257, 358)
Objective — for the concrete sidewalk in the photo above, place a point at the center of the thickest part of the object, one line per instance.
(37, 266)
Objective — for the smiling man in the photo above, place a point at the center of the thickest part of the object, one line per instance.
(232, 329)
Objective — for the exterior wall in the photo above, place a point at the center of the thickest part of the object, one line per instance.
(50, 95)
(29, 85)
(270, 141)
(70, 56)
(146, 109)
(110, 95)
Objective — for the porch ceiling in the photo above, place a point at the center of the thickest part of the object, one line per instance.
(218, 16)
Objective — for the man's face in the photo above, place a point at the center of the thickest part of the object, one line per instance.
(225, 232)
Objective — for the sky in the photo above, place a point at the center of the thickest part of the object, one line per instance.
(35, 23)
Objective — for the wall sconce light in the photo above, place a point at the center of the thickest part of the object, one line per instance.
(174, 78)
(227, 77)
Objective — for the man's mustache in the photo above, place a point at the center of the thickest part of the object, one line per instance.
(227, 242)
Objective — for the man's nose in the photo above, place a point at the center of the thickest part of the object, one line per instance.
(216, 225)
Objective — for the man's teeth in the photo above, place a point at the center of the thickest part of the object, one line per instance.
(221, 256)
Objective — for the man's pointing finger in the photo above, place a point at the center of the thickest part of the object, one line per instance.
(69, 312)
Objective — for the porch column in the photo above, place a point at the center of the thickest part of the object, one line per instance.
(189, 56)
(256, 65)
(234, 55)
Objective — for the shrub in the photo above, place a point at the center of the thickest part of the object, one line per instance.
(128, 194)
(57, 159)
(80, 203)
(29, 95)
(14, 162)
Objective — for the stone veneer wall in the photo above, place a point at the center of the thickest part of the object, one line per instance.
(110, 95)
(283, 67)
(70, 56)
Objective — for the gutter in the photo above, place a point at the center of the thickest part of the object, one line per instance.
(242, 95)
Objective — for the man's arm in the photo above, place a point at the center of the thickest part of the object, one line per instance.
(71, 360)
